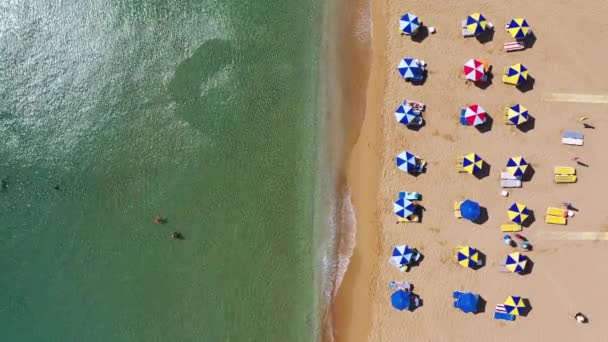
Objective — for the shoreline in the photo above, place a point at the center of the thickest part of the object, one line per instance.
(350, 309)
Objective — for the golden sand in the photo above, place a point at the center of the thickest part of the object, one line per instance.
(568, 275)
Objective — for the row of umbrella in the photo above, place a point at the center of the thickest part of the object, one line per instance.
(477, 70)
(469, 257)
(469, 302)
(475, 114)
(475, 23)
(471, 210)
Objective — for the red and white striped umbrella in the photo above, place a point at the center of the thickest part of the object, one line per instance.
(475, 115)
(475, 70)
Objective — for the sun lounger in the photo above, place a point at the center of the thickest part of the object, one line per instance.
(507, 180)
(510, 227)
(573, 138)
(559, 212)
(555, 220)
(457, 213)
(565, 179)
(564, 170)
(504, 316)
(412, 196)
(466, 33)
(418, 106)
(411, 218)
(513, 46)
(399, 285)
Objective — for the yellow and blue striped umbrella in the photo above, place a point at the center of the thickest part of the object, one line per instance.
(516, 74)
(515, 305)
(472, 163)
(518, 28)
(517, 166)
(467, 256)
(517, 114)
(476, 23)
(516, 262)
(518, 213)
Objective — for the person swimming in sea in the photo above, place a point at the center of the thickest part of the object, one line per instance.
(177, 235)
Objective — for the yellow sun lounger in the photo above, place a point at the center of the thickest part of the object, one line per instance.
(411, 218)
(564, 170)
(565, 179)
(559, 212)
(555, 220)
(510, 227)
(457, 213)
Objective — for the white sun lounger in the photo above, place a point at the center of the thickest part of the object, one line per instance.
(513, 46)
(573, 138)
(507, 180)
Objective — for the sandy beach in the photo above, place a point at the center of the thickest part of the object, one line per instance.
(567, 275)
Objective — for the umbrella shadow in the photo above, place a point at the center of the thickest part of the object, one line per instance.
(531, 219)
(529, 40)
(422, 34)
(488, 82)
(529, 267)
(528, 309)
(483, 216)
(528, 85)
(481, 305)
(529, 174)
(421, 81)
(528, 125)
(482, 261)
(420, 302)
(486, 126)
(416, 128)
(486, 37)
(485, 171)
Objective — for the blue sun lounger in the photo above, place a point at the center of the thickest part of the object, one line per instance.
(504, 316)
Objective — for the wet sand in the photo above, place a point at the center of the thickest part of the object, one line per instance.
(567, 276)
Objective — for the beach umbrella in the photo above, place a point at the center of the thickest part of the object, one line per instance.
(518, 28)
(517, 166)
(516, 262)
(517, 114)
(474, 115)
(467, 256)
(401, 300)
(409, 24)
(475, 70)
(472, 163)
(404, 208)
(470, 210)
(518, 213)
(476, 23)
(410, 69)
(515, 305)
(402, 255)
(406, 161)
(467, 302)
(406, 114)
(516, 74)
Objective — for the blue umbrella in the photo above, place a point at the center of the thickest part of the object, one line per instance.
(402, 255)
(406, 161)
(410, 69)
(407, 115)
(409, 24)
(403, 208)
(467, 302)
(401, 300)
(470, 210)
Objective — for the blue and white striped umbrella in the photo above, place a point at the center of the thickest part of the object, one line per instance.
(410, 69)
(406, 161)
(409, 24)
(404, 208)
(402, 255)
(406, 114)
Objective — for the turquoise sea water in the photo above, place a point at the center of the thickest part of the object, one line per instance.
(114, 111)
